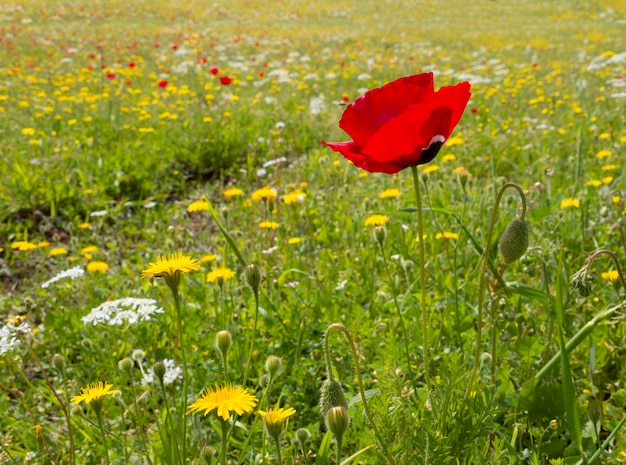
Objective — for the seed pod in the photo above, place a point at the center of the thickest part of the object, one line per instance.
(514, 240)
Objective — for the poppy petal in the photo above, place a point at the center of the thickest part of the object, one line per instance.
(352, 152)
(363, 117)
(402, 140)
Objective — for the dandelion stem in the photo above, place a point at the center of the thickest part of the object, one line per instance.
(338, 453)
(422, 252)
(104, 438)
(224, 441)
(256, 321)
(181, 347)
(280, 458)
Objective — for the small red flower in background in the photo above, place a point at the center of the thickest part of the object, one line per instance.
(226, 80)
(111, 75)
(163, 83)
(131, 64)
(214, 71)
(403, 123)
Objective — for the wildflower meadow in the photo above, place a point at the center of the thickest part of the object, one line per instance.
(312, 232)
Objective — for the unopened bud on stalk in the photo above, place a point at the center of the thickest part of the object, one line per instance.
(380, 234)
(58, 362)
(332, 395)
(514, 241)
(159, 370)
(223, 341)
(272, 365)
(253, 276)
(303, 435)
(138, 355)
(125, 365)
(337, 420)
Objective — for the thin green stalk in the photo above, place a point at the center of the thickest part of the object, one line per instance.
(142, 433)
(338, 453)
(615, 260)
(357, 367)
(256, 320)
(607, 442)
(168, 418)
(104, 438)
(483, 271)
(402, 326)
(422, 254)
(224, 441)
(280, 457)
(181, 347)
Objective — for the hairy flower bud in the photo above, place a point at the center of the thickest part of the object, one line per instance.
(337, 420)
(253, 276)
(159, 370)
(303, 435)
(582, 280)
(126, 365)
(272, 365)
(223, 341)
(332, 395)
(514, 240)
(380, 234)
(58, 361)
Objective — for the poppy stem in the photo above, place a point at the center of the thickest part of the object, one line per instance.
(483, 272)
(422, 252)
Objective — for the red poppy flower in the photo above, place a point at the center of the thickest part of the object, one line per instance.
(214, 70)
(163, 83)
(403, 123)
(226, 80)
(111, 75)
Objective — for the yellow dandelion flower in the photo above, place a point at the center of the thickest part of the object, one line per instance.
(87, 191)
(28, 131)
(390, 194)
(168, 266)
(429, 169)
(97, 266)
(616, 199)
(611, 275)
(58, 251)
(276, 419)
(294, 197)
(233, 192)
(224, 400)
(198, 206)
(89, 250)
(623, 140)
(603, 154)
(570, 203)
(264, 193)
(446, 235)
(604, 136)
(208, 258)
(94, 391)
(594, 183)
(84, 226)
(424, 237)
(268, 225)
(457, 140)
(294, 240)
(220, 274)
(448, 157)
(609, 167)
(43, 244)
(376, 220)
(607, 180)
(23, 246)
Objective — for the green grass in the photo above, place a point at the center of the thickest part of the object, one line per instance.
(73, 141)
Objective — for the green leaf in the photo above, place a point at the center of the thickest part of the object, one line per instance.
(323, 454)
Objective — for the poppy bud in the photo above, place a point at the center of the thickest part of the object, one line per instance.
(331, 396)
(223, 341)
(337, 421)
(272, 365)
(253, 277)
(159, 370)
(514, 240)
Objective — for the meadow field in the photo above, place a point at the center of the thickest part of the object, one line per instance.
(190, 276)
